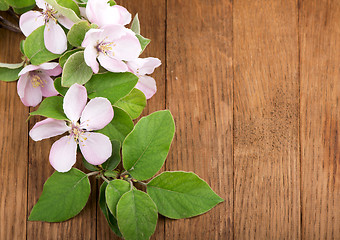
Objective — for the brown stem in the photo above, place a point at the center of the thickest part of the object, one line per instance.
(8, 25)
(13, 14)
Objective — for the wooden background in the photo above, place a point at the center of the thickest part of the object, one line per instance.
(254, 89)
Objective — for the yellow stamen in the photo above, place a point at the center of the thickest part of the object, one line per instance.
(37, 81)
(106, 48)
(50, 13)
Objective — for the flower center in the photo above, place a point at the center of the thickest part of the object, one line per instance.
(106, 48)
(77, 133)
(49, 13)
(37, 81)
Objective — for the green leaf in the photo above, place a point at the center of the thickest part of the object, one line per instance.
(35, 49)
(11, 65)
(66, 8)
(144, 42)
(76, 70)
(66, 55)
(114, 191)
(135, 26)
(89, 166)
(115, 158)
(57, 85)
(63, 197)
(69, 4)
(112, 174)
(109, 164)
(51, 107)
(109, 217)
(146, 147)
(181, 195)
(22, 43)
(3, 5)
(21, 3)
(77, 33)
(120, 126)
(133, 104)
(23, 10)
(9, 72)
(112, 2)
(136, 215)
(112, 86)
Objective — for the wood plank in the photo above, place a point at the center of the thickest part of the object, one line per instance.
(13, 147)
(82, 226)
(266, 117)
(199, 95)
(320, 118)
(152, 17)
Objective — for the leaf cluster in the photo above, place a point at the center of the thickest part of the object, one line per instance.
(131, 212)
(19, 6)
(129, 200)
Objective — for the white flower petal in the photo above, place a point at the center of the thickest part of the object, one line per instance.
(142, 66)
(112, 64)
(127, 48)
(147, 85)
(97, 114)
(21, 85)
(28, 68)
(30, 96)
(101, 13)
(55, 38)
(124, 15)
(41, 4)
(30, 21)
(63, 154)
(92, 36)
(90, 56)
(97, 147)
(82, 12)
(65, 22)
(51, 68)
(111, 33)
(48, 128)
(74, 102)
(47, 88)
(48, 65)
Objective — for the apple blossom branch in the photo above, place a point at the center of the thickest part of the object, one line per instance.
(4, 23)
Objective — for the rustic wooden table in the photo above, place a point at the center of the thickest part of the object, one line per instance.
(254, 88)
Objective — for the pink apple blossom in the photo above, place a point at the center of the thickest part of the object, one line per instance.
(54, 36)
(35, 82)
(82, 12)
(101, 13)
(140, 67)
(111, 45)
(96, 114)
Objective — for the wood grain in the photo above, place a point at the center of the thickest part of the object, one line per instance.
(266, 117)
(152, 18)
(13, 147)
(83, 226)
(199, 95)
(320, 118)
(249, 83)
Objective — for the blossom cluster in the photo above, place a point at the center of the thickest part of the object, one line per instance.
(112, 46)
(115, 47)
(82, 66)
